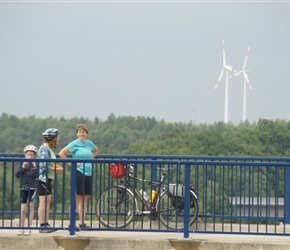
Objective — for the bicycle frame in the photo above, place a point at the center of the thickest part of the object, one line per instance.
(150, 206)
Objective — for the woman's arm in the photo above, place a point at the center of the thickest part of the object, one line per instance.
(62, 154)
(95, 153)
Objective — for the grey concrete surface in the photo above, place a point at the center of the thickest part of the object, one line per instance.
(109, 240)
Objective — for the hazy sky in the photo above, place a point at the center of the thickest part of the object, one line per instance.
(159, 59)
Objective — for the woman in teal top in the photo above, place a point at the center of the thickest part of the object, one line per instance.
(82, 148)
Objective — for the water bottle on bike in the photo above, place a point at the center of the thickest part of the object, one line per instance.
(144, 194)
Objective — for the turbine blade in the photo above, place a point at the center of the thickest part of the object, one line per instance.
(236, 74)
(224, 53)
(247, 79)
(219, 79)
(221, 75)
(246, 58)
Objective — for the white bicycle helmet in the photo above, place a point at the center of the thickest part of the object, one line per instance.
(50, 134)
(30, 148)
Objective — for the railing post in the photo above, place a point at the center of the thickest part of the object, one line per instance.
(287, 195)
(72, 200)
(153, 172)
(186, 201)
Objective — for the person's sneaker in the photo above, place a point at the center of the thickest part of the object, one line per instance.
(76, 228)
(20, 232)
(47, 229)
(83, 226)
(27, 233)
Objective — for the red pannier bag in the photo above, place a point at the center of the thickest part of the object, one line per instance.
(117, 170)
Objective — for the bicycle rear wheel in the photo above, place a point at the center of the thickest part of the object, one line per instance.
(115, 207)
(171, 214)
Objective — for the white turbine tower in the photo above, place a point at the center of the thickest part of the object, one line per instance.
(246, 82)
(227, 68)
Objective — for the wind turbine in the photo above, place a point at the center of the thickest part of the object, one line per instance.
(246, 82)
(227, 68)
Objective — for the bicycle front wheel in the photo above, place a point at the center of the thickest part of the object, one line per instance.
(171, 212)
(115, 207)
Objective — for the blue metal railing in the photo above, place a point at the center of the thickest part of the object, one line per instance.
(242, 195)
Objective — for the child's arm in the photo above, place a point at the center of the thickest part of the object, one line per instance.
(34, 170)
(22, 167)
(19, 170)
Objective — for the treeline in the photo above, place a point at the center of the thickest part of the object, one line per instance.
(146, 135)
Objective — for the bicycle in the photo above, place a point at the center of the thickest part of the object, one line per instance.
(117, 205)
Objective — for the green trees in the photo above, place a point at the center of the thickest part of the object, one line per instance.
(146, 135)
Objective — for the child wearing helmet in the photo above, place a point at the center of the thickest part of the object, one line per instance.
(27, 172)
(46, 172)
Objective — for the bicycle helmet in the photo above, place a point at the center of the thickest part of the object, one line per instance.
(50, 134)
(117, 170)
(30, 148)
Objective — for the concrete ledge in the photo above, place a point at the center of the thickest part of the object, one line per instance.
(112, 240)
(57, 243)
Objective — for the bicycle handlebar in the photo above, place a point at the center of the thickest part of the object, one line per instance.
(170, 169)
(166, 169)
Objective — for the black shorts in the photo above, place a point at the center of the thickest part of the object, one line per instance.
(83, 184)
(44, 188)
(27, 195)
